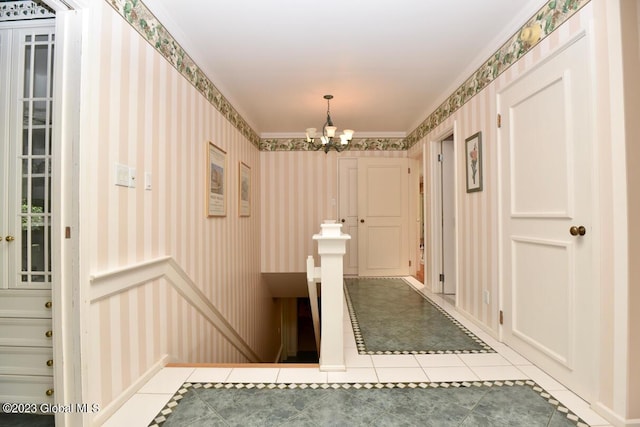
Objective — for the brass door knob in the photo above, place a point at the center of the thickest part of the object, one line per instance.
(10, 238)
(577, 230)
(362, 221)
(50, 362)
(47, 304)
(342, 220)
(49, 392)
(48, 334)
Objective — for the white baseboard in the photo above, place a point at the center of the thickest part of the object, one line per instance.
(615, 419)
(106, 412)
(493, 334)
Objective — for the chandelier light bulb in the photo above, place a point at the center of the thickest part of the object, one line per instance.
(328, 133)
(311, 134)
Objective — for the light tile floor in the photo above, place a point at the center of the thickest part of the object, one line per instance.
(505, 364)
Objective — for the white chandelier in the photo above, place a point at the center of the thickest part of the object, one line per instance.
(328, 133)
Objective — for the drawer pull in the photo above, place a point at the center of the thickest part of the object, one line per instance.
(50, 362)
(49, 392)
(49, 334)
(47, 304)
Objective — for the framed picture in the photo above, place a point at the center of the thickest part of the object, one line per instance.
(216, 181)
(473, 154)
(244, 186)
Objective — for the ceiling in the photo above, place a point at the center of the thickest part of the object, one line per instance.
(388, 63)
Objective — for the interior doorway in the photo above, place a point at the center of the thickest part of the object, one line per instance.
(374, 210)
(444, 279)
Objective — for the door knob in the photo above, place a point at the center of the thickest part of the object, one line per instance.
(10, 238)
(362, 221)
(577, 230)
(342, 220)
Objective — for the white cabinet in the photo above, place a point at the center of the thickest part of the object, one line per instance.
(26, 106)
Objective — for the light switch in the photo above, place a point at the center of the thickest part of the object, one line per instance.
(122, 175)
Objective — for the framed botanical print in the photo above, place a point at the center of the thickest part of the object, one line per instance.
(473, 155)
(244, 189)
(216, 181)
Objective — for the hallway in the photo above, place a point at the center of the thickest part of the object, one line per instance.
(504, 373)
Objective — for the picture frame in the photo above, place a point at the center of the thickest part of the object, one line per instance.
(473, 156)
(216, 181)
(244, 190)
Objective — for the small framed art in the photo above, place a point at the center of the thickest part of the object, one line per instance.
(244, 189)
(473, 154)
(216, 181)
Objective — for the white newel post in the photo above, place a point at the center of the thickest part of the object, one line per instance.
(332, 244)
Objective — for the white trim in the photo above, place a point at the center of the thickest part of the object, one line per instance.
(68, 377)
(615, 419)
(105, 413)
(57, 5)
(435, 242)
(471, 318)
(114, 282)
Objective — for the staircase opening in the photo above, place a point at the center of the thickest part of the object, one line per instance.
(304, 350)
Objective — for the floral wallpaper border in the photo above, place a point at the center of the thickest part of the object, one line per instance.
(19, 10)
(548, 19)
(357, 144)
(553, 14)
(149, 27)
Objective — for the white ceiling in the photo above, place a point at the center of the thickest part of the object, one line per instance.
(388, 63)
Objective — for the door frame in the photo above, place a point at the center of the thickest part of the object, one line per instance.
(435, 242)
(70, 311)
(353, 243)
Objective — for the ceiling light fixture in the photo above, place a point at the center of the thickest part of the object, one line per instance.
(328, 133)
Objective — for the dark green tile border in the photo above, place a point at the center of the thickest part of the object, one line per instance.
(162, 416)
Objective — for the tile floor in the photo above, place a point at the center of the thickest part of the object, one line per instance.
(505, 364)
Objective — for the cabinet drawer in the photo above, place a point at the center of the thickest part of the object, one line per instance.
(26, 361)
(25, 389)
(25, 332)
(25, 303)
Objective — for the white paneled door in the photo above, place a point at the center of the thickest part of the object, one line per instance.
(549, 297)
(348, 210)
(383, 216)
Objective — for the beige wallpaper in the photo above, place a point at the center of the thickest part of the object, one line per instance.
(477, 231)
(297, 193)
(142, 113)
